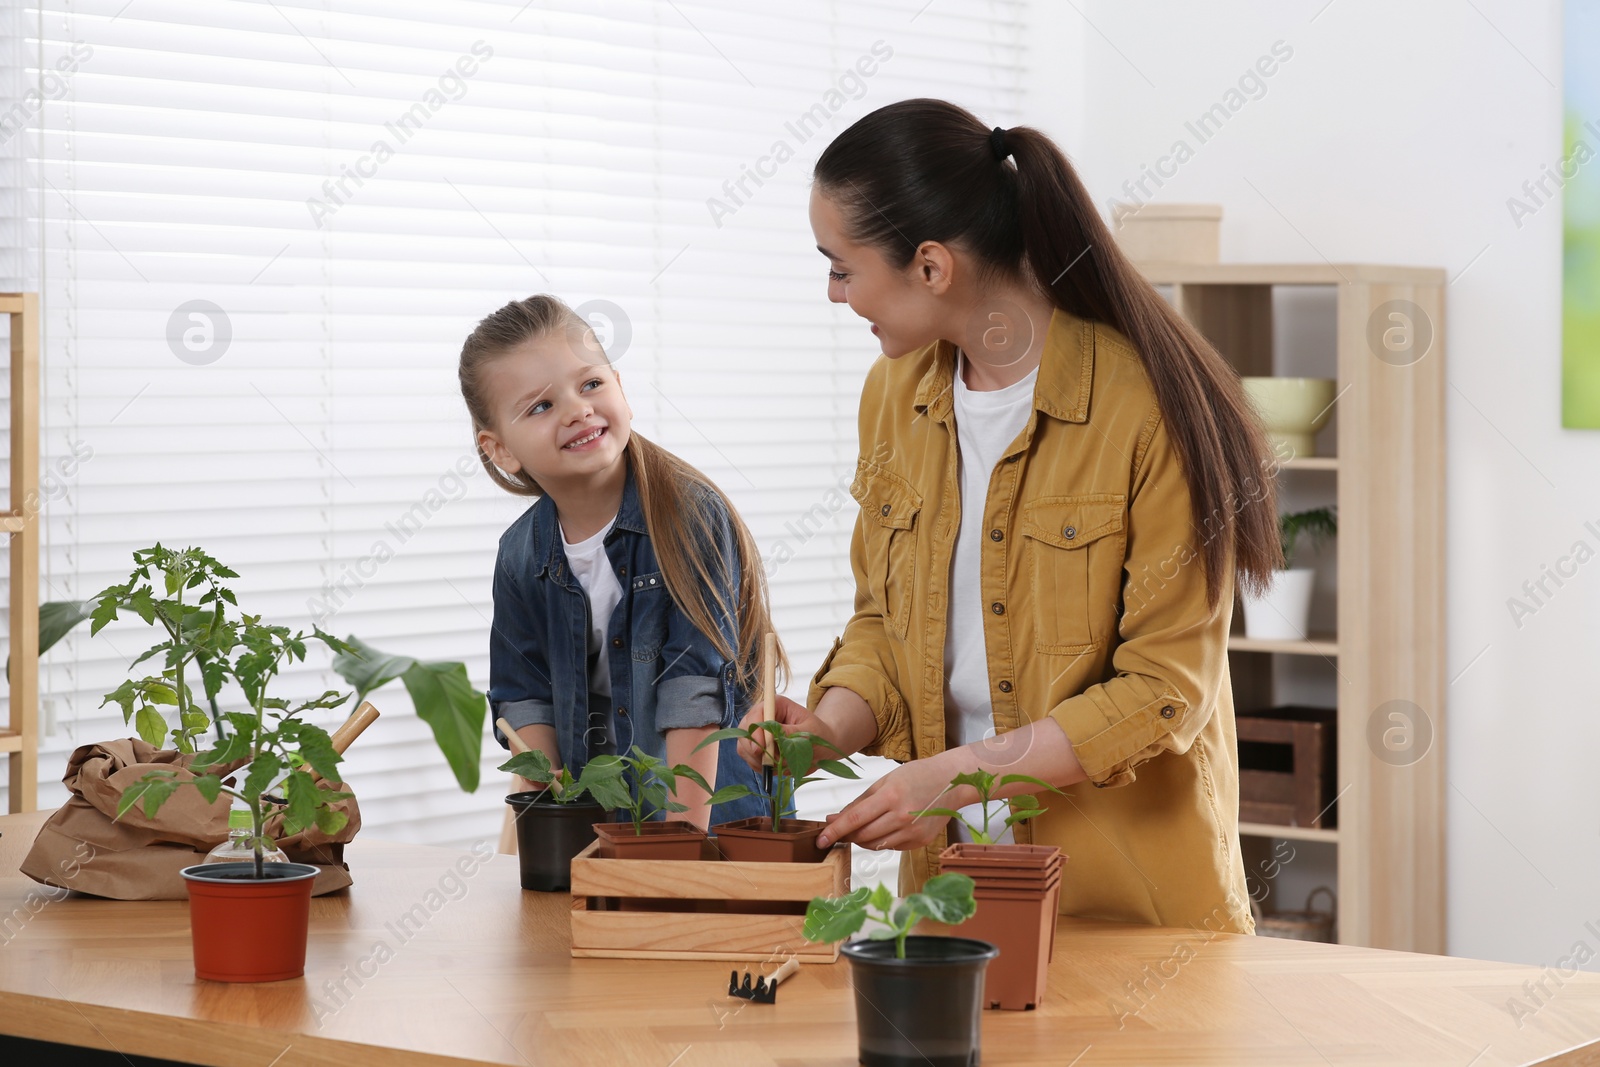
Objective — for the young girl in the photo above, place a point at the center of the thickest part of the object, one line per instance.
(629, 600)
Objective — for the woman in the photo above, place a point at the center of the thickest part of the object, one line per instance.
(1060, 482)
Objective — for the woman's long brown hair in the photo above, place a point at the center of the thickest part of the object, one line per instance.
(926, 170)
(671, 492)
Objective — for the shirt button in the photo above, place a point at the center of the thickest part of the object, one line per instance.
(1168, 712)
(884, 510)
(1005, 687)
(623, 712)
(622, 571)
(1070, 532)
(997, 535)
(616, 642)
(998, 608)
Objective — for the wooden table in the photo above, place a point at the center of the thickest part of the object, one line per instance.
(480, 974)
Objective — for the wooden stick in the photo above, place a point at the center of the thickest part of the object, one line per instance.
(769, 693)
(352, 728)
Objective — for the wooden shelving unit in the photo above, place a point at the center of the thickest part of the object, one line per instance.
(1388, 483)
(20, 738)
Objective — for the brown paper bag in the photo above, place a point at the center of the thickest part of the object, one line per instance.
(84, 847)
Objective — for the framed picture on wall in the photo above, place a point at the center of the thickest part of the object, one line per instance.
(1580, 187)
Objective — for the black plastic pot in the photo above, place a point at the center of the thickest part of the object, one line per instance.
(549, 835)
(924, 1010)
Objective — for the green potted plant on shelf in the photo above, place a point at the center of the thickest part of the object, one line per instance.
(1019, 887)
(556, 821)
(644, 786)
(919, 999)
(1283, 612)
(775, 837)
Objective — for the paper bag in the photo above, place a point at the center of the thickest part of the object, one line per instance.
(85, 848)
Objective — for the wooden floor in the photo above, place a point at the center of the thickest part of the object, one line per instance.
(436, 956)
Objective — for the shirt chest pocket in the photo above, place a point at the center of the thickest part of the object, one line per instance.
(889, 508)
(1075, 547)
(649, 604)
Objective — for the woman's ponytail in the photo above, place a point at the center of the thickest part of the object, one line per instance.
(927, 170)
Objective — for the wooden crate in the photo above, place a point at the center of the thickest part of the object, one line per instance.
(1286, 767)
(706, 909)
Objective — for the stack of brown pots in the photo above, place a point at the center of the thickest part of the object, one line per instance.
(1018, 888)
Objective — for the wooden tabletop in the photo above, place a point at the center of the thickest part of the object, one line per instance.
(480, 974)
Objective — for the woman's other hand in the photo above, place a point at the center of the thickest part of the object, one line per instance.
(789, 713)
(881, 817)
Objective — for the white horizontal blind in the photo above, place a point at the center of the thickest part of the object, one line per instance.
(341, 190)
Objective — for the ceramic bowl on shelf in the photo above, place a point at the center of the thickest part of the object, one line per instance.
(1292, 410)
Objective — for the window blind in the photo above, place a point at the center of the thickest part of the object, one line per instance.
(262, 230)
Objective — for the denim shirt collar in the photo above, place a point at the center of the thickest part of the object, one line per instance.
(548, 555)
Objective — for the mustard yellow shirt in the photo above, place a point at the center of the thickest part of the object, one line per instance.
(1097, 618)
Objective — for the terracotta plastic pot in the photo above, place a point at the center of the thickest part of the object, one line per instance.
(1018, 892)
(675, 839)
(921, 1011)
(754, 840)
(247, 929)
(549, 835)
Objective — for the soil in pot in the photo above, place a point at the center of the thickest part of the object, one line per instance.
(549, 835)
(675, 839)
(921, 1011)
(247, 929)
(1018, 891)
(754, 840)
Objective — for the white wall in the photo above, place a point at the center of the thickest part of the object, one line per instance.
(1396, 133)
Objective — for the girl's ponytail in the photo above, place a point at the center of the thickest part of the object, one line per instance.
(927, 170)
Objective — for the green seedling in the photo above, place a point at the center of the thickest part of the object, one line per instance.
(793, 760)
(653, 785)
(945, 898)
(1023, 807)
(560, 785)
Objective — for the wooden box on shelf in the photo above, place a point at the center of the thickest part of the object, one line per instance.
(1286, 766)
(705, 909)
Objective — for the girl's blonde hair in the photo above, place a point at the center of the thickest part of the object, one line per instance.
(680, 527)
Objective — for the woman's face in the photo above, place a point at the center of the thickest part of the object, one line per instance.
(902, 305)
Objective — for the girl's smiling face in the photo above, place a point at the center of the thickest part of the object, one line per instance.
(559, 413)
(902, 305)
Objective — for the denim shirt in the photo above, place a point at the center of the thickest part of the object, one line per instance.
(665, 673)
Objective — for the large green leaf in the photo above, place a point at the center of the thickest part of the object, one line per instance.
(945, 898)
(835, 918)
(442, 693)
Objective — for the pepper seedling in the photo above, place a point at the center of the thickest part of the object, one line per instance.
(794, 753)
(560, 785)
(945, 898)
(653, 785)
(1026, 806)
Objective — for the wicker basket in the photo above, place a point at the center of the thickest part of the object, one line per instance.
(1307, 925)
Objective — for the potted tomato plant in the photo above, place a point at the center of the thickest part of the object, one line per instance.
(554, 823)
(643, 786)
(249, 919)
(773, 838)
(919, 999)
(1019, 887)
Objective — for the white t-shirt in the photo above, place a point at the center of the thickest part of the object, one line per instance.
(589, 562)
(986, 423)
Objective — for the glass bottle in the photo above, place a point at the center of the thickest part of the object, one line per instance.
(239, 847)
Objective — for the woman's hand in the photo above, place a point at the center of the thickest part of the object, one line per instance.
(881, 817)
(788, 712)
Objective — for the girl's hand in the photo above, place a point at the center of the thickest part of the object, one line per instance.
(880, 818)
(787, 711)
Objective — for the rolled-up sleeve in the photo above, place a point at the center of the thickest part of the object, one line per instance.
(519, 672)
(1172, 646)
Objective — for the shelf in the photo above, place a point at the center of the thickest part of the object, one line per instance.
(1289, 274)
(1310, 463)
(1318, 645)
(1289, 833)
(10, 741)
(12, 523)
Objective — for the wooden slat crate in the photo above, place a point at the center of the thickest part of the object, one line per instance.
(1286, 767)
(706, 909)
